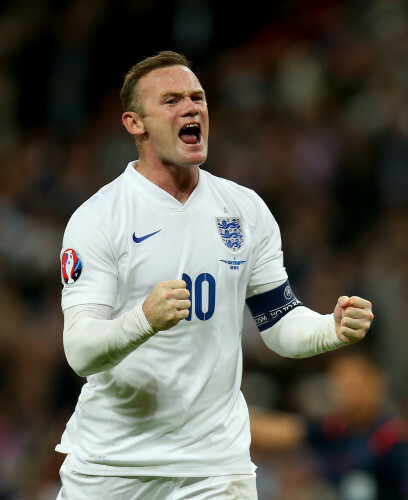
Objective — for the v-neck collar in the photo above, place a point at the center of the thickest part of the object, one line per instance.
(159, 195)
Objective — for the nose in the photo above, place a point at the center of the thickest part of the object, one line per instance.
(190, 107)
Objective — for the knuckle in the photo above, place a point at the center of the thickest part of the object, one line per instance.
(346, 321)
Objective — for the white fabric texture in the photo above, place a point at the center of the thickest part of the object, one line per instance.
(77, 486)
(172, 406)
(93, 342)
(302, 333)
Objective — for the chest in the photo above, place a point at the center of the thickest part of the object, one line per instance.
(211, 251)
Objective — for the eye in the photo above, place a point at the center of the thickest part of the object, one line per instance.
(171, 100)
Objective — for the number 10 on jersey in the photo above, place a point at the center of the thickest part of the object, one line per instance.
(202, 295)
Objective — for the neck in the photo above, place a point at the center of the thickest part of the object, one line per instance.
(178, 181)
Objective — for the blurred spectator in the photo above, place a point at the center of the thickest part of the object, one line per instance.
(360, 444)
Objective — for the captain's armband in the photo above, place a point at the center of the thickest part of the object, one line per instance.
(269, 307)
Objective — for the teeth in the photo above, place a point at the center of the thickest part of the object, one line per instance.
(191, 125)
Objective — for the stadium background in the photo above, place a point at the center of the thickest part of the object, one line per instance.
(308, 106)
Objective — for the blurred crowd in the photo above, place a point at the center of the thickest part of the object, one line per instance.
(308, 107)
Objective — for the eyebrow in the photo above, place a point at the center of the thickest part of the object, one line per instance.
(182, 94)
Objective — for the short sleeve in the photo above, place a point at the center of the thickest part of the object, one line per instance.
(89, 271)
(268, 265)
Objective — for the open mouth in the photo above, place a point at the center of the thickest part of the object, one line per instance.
(190, 134)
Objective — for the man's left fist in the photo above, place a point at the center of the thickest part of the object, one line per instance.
(353, 317)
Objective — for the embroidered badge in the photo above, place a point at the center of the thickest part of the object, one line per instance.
(71, 266)
(233, 264)
(231, 232)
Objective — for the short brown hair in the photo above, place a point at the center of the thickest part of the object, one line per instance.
(131, 100)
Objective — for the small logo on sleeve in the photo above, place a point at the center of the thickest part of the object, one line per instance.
(71, 266)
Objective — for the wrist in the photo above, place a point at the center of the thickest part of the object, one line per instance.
(143, 322)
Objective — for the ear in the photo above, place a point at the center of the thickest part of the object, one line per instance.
(133, 123)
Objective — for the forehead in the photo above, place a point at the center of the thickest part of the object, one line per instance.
(163, 81)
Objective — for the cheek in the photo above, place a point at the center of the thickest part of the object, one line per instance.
(161, 136)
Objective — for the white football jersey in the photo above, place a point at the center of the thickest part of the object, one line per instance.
(173, 407)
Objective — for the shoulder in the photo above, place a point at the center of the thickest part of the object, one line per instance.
(233, 189)
(104, 202)
(93, 223)
(106, 196)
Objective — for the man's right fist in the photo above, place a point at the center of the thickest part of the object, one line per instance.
(167, 304)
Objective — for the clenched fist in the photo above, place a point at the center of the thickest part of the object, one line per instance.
(167, 304)
(353, 317)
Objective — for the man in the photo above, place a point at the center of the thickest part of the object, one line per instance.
(166, 256)
(360, 445)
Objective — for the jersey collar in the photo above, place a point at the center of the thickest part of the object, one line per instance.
(159, 195)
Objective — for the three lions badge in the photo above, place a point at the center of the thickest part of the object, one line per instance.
(231, 232)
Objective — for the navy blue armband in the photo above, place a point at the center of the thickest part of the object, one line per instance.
(269, 307)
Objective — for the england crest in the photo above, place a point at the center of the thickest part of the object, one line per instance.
(231, 232)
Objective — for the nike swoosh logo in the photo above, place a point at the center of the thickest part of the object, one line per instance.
(142, 238)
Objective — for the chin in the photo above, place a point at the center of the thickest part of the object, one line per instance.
(193, 159)
(186, 156)
(195, 163)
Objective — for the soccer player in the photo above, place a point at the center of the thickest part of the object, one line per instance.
(164, 259)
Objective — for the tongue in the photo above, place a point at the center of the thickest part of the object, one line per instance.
(188, 138)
